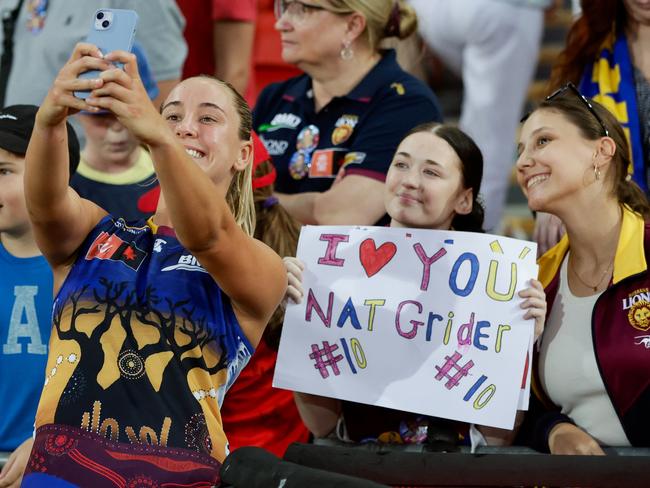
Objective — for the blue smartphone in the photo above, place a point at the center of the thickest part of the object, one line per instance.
(111, 30)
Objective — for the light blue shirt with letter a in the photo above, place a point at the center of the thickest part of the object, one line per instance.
(25, 324)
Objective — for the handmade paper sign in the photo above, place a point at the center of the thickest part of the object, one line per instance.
(417, 320)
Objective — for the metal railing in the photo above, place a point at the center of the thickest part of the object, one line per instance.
(415, 466)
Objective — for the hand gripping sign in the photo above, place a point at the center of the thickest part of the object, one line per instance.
(416, 320)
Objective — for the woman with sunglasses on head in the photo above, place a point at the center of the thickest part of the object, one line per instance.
(592, 370)
(152, 320)
(607, 56)
(346, 114)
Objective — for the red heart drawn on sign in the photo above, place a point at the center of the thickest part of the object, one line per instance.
(374, 258)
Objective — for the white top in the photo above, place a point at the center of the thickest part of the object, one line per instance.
(568, 370)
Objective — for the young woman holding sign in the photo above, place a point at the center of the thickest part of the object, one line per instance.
(592, 373)
(432, 183)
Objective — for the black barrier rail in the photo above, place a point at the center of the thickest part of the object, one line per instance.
(253, 467)
(416, 467)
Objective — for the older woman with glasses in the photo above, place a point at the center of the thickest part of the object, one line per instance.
(342, 120)
(592, 372)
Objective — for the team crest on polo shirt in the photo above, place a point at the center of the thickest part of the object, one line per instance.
(343, 128)
(637, 305)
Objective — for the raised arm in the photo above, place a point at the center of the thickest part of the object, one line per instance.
(61, 219)
(248, 271)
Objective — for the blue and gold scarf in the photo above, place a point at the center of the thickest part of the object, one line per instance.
(609, 80)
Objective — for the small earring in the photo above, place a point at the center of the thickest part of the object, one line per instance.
(346, 51)
(596, 172)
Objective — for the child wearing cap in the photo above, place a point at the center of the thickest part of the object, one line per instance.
(25, 294)
(116, 171)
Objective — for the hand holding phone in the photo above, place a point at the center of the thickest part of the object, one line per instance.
(111, 30)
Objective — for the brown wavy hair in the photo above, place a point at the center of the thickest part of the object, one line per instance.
(584, 39)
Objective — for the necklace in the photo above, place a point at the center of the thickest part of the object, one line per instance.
(594, 287)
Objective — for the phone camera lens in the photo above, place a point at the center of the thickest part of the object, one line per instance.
(100, 15)
(105, 23)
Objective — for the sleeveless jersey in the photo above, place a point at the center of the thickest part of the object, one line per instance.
(144, 346)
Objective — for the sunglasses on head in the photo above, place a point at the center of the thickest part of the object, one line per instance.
(572, 89)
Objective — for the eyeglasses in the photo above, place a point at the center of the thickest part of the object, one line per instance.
(294, 8)
(572, 88)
